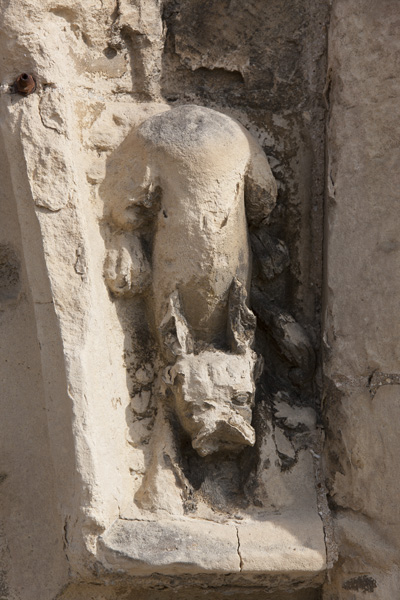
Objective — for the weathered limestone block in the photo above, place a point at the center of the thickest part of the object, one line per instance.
(361, 329)
(277, 547)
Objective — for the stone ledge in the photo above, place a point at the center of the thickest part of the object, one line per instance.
(284, 545)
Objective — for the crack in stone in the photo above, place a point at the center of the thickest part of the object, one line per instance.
(331, 549)
(238, 549)
(378, 379)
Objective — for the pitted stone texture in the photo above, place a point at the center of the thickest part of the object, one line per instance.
(362, 326)
(69, 381)
(280, 546)
(286, 545)
(171, 547)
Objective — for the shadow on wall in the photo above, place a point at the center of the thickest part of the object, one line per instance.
(178, 592)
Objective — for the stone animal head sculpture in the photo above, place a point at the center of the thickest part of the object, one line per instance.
(213, 389)
(214, 397)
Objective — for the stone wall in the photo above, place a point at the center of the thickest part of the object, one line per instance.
(361, 346)
(76, 358)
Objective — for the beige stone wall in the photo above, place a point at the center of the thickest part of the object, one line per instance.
(32, 560)
(65, 475)
(101, 70)
(362, 290)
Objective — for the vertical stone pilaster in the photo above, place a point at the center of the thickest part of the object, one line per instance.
(362, 291)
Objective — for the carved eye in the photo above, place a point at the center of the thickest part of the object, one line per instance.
(241, 398)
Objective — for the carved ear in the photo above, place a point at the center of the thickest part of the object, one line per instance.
(174, 330)
(241, 321)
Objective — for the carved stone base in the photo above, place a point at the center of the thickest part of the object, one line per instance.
(289, 546)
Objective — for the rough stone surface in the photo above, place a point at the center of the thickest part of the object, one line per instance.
(279, 546)
(171, 547)
(84, 434)
(274, 547)
(361, 331)
(31, 543)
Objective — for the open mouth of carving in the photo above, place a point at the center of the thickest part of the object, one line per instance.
(224, 435)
